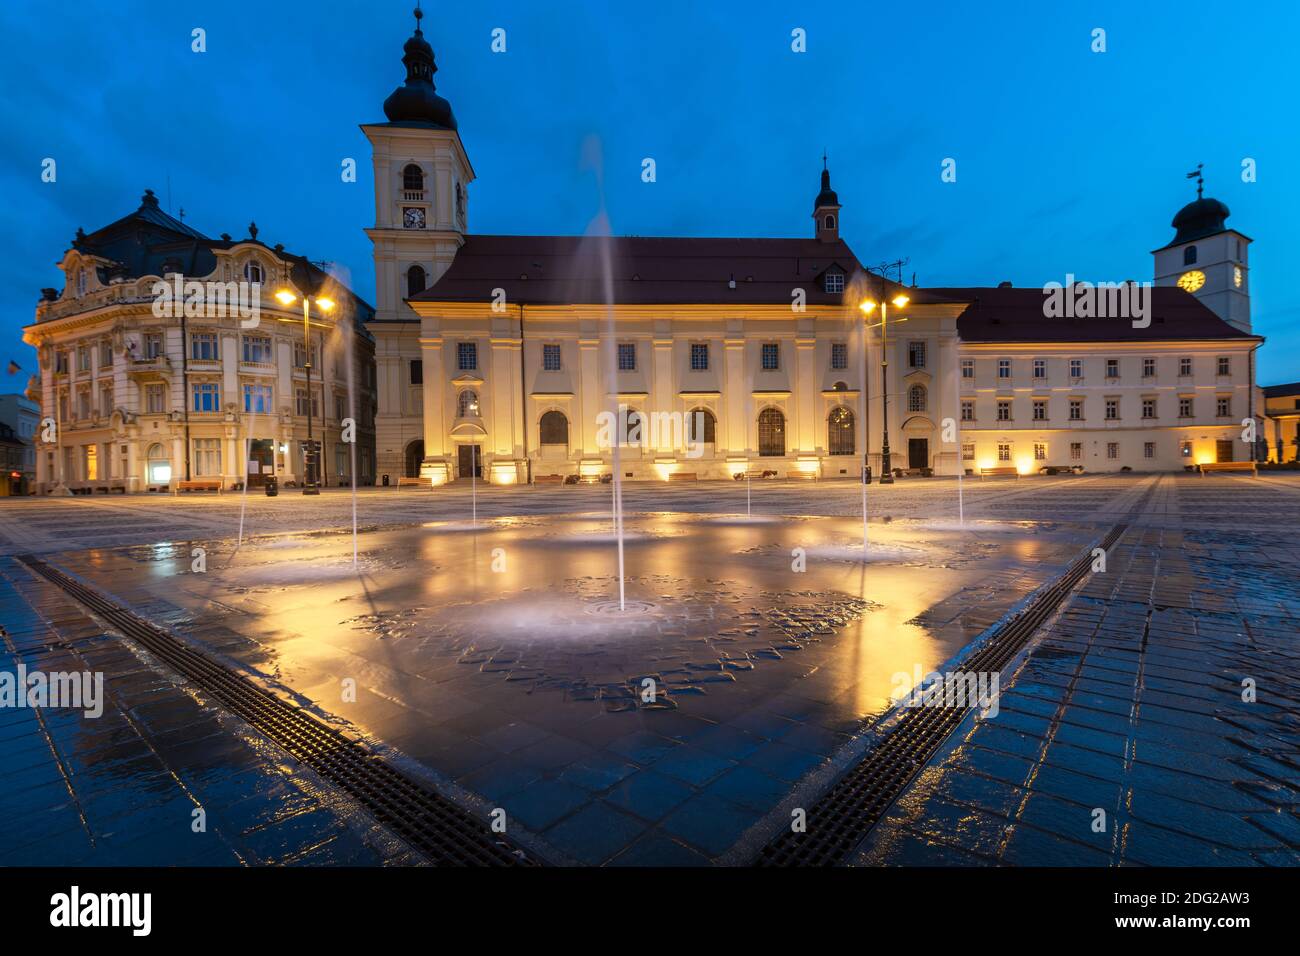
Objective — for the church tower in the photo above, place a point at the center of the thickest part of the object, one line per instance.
(421, 173)
(1208, 259)
(826, 210)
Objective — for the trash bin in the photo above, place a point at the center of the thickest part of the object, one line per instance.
(385, 481)
(272, 486)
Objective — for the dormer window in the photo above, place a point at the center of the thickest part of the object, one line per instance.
(1189, 256)
(834, 281)
(81, 282)
(253, 271)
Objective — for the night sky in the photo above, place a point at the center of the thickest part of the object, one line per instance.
(1068, 161)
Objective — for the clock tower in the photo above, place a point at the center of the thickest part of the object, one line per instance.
(421, 173)
(1208, 259)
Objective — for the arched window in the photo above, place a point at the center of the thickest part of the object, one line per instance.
(839, 431)
(633, 430)
(771, 432)
(414, 458)
(159, 464)
(916, 398)
(554, 428)
(253, 271)
(413, 178)
(467, 404)
(702, 417)
(840, 387)
(414, 281)
(1189, 256)
(830, 222)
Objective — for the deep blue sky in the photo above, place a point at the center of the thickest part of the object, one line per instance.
(1068, 161)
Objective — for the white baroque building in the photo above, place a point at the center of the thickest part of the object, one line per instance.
(213, 392)
(498, 354)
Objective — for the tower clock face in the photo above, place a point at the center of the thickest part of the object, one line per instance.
(413, 217)
(1191, 281)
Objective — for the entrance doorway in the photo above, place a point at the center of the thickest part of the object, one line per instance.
(261, 461)
(1223, 450)
(918, 453)
(414, 455)
(469, 461)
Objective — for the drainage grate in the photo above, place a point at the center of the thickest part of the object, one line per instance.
(843, 817)
(430, 823)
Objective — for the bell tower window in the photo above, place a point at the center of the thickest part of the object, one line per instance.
(1189, 256)
(412, 182)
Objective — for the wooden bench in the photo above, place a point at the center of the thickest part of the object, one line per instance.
(414, 483)
(1007, 472)
(800, 475)
(200, 485)
(1230, 466)
(548, 479)
(683, 476)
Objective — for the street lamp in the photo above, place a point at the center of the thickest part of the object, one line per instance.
(311, 459)
(868, 306)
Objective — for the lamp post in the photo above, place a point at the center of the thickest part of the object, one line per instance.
(868, 306)
(311, 461)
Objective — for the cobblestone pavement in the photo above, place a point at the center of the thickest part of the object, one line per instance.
(1128, 701)
(1123, 738)
(122, 789)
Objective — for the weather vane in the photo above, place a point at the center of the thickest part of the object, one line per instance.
(1200, 179)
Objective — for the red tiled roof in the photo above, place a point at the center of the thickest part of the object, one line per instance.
(561, 270)
(1017, 315)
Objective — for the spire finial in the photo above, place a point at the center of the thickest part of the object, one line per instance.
(824, 166)
(419, 15)
(1200, 179)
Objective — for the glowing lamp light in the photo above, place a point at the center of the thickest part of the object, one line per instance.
(901, 300)
(325, 303)
(1203, 459)
(286, 297)
(867, 307)
(664, 471)
(1025, 466)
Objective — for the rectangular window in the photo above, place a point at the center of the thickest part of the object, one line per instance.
(92, 462)
(258, 399)
(1225, 365)
(1004, 452)
(1076, 368)
(207, 397)
(1004, 411)
(60, 362)
(300, 402)
(83, 404)
(839, 355)
(106, 400)
(1112, 368)
(1148, 368)
(1040, 368)
(1040, 451)
(203, 347)
(1076, 451)
(1223, 407)
(967, 368)
(1076, 409)
(834, 282)
(627, 356)
(1184, 408)
(1185, 367)
(105, 354)
(1185, 449)
(340, 407)
(968, 411)
(257, 349)
(153, 345)
(83, 358)
(1149, 449)
(467, 356)
(154, 398)
(968, 451)
(417, 371)
(771, 356)
(550, 358)
(699, 357)
(207, 456)
(1112, 450)
(1040, 410)
(1148, 408)
(1004, 368)
(916, 355)
(300, 355)
(1112, 409)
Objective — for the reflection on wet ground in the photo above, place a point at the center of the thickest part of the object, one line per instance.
(494, 657)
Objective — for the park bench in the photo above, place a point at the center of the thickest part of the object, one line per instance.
(1002, 472)
(800, 475)
(1230, 466)
(683, 476)
(200, 484)
(414, 483)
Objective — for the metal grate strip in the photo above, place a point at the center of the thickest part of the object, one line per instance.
(428, 822)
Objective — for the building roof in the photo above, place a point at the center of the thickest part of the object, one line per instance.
(1006, 314)
(1282, 391)
(649, 270)
(416, 103)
